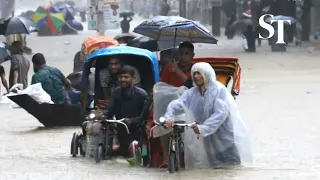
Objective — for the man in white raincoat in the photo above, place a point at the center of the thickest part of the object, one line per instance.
(223, 139)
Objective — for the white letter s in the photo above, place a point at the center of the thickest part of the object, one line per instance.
(266, 26)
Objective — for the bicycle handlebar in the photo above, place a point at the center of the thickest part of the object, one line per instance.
(162, 123)
(176, 124)
(119, 121)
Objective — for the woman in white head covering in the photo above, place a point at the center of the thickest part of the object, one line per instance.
(223, 138)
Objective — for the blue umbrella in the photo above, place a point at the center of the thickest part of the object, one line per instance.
(166, 28)
(68, 12)
(280, 17)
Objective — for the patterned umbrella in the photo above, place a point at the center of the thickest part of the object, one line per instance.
(178, 28)
(48, 9)
(49, 17)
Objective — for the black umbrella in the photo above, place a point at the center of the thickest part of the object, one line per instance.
(126, 13)
(49, 114)
(125, 37)
(150, 44)
(17, 25)
(240, 24)
(145, 42)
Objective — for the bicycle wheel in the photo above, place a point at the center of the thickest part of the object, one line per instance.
(172, 162)
(107, 149)
(74, 145)
(178, 146)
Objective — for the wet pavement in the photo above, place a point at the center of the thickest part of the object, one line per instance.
(278, 102)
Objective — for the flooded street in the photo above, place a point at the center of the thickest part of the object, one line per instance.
(278, 102)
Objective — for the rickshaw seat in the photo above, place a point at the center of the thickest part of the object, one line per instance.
(226, 68)
(224, 78)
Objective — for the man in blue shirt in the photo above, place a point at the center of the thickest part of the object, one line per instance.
(51, 79)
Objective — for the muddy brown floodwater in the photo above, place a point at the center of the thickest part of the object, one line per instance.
(278, 102)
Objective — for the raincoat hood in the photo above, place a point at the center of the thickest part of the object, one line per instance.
(207, 72)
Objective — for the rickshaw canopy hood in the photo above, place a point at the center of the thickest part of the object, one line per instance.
(126, 50)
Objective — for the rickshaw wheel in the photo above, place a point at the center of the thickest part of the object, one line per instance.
(108, 149)
(172, 162)
(82, 152)
(74, 145)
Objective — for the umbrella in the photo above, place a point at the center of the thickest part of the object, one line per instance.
(175, 27)
(17, 25)
(44, 18)
(280, 17)
(68, 12)
(126, 37)
(75, 24)
(126, 13)
(150, 44)
(240, 24)
(47, 9)
(4, 53)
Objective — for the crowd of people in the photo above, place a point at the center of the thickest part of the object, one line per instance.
(52, 79)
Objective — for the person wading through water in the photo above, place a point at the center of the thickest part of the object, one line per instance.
(125, 24)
